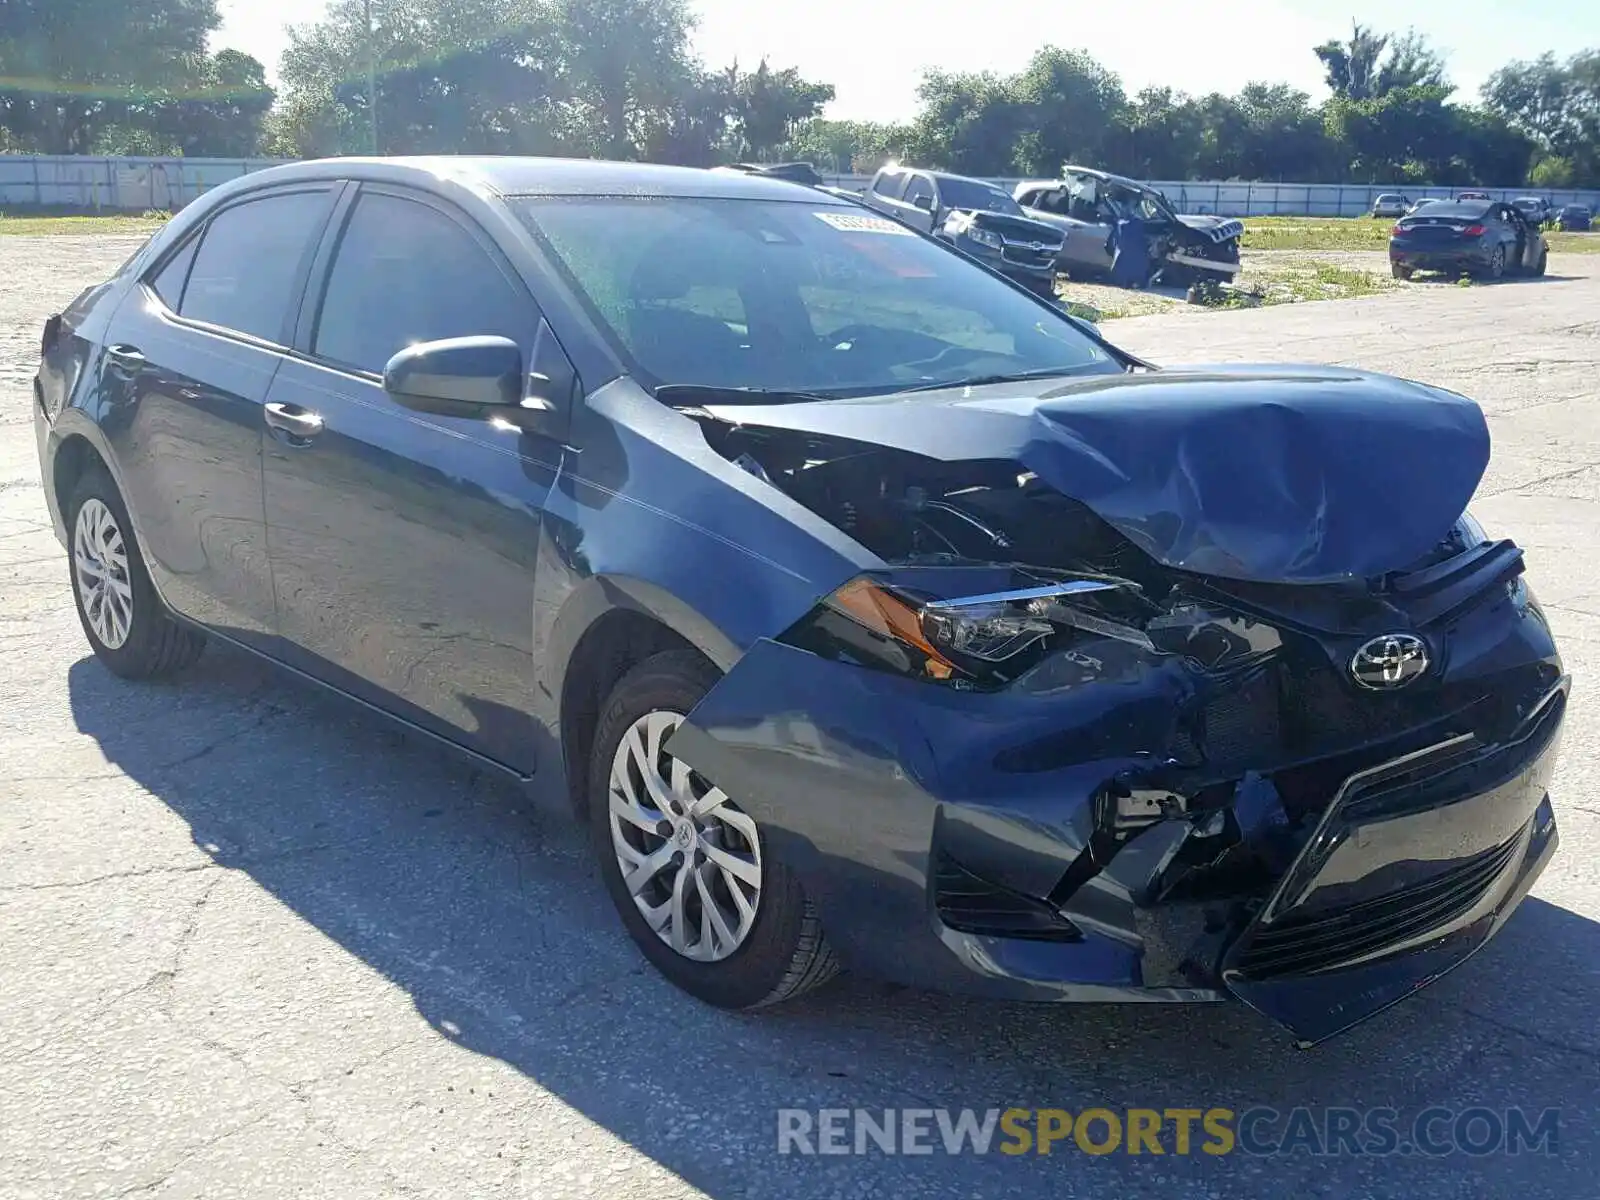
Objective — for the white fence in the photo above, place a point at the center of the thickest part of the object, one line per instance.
(95, 184)
(87, 183)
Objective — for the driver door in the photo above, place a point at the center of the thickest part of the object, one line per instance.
(403, 543)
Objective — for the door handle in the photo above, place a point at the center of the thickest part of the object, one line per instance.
(124, 361)
(296, 424)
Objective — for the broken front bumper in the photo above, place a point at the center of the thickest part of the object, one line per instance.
(940, 855)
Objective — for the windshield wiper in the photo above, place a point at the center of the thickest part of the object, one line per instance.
(690, 394)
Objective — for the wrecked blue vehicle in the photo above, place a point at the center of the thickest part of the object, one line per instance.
(1091, 208)
(880, 615)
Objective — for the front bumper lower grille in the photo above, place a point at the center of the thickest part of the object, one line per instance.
(969, 903)
(1297, 946)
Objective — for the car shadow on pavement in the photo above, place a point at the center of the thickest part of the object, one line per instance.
(480, 901)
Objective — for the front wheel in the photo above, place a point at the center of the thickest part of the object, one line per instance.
(128, 627)
(1544, 262)
(697, 887)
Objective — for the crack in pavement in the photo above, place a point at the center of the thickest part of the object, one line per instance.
(190, 1151)
(243, 865)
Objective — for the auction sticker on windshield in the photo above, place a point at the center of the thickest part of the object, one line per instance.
(859, 223)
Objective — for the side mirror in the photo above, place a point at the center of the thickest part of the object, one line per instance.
(925, 203)
(457, 377)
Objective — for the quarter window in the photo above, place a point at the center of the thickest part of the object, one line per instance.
(249, 260)
(406, 273)
(169, 281)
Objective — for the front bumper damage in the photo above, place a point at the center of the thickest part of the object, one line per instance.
(1150, 830)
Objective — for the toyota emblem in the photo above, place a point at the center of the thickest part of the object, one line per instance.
(1389, 662)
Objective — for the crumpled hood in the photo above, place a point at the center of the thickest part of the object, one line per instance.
(1218, 229)
(1283, 474)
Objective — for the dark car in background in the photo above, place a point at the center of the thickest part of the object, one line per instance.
(1574, 218)
(974, 216)
(1087, 205)
(877, 614)
(1475, 237)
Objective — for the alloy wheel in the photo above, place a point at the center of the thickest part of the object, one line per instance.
(690, 859)
(100, 562)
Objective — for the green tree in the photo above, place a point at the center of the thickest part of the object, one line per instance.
(1557, 105)
(846, 147)
(74, 68)
(769, 105)
(967, 122)
(1070, 106)
(1359, 70)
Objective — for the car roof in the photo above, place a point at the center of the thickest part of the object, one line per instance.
(952, 175)
(527, 176)
(1106, 177)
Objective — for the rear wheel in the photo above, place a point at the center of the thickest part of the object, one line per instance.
(128, 627)
(697, 887)
(1497, 263)
(1400, 270)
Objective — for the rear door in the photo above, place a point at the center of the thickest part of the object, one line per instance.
(403, 543)
(188, 360)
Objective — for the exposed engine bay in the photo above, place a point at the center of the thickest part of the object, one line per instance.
(1236, 694)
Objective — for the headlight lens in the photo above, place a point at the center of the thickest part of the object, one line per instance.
(981, 639)
(984, 237)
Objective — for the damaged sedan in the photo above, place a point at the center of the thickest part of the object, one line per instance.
(879, 615)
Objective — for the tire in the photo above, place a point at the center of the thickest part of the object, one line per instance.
(1497, 263)
(1399, 271)
(781, 953)
(1544, 261)
(128, 627)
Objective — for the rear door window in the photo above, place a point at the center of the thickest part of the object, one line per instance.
(246, 272)
(406, 273)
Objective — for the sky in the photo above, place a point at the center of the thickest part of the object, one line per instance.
(874, 53)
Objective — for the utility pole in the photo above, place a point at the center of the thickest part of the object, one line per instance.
(372, 78)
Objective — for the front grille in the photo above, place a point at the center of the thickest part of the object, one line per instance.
(1300, 946)
(971, 904)
(1026, 257)
(1473, 767)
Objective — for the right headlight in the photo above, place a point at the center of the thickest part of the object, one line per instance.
(985, 638)
(985, 237)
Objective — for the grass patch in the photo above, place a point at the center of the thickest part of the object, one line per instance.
(1574, 243)
(1365, 233)
(1316, 233)
(33, 226)
(1296, 280)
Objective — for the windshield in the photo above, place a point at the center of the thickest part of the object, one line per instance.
(796, 297)
(969, 193)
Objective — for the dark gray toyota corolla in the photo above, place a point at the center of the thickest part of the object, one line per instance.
(883, 615)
